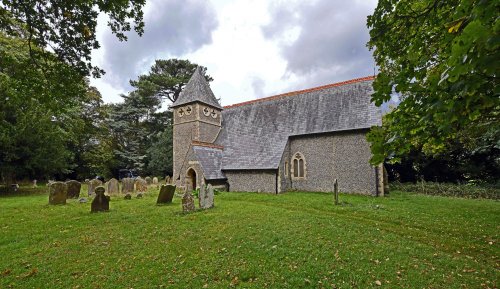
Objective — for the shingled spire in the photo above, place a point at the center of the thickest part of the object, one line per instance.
(197, 89)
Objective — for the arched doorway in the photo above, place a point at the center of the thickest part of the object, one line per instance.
(191, 180)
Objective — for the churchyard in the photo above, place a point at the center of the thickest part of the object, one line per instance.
(249, 240)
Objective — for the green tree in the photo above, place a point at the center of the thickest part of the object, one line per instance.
(167, 78)
(68, 27)
(37, 109)
(441, 57)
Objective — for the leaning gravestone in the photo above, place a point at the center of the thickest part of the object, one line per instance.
(93, 184)
(141, 185)
(187, 203)
(166, 194)
(73, 189)
(100, 202)
(57, 193)
(113, 187)
(127, 186)
(155, 181)
(167, 180)
(148, 180)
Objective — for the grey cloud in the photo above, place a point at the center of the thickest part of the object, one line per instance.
(331, 45)
(258, 86)
(172, 28)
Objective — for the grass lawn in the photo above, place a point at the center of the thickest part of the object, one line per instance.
(249, 240)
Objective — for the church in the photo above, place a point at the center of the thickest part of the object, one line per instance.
(296, 141)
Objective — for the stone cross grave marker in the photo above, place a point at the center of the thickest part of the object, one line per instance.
(101, 201)
(74, 188)
(57, 193)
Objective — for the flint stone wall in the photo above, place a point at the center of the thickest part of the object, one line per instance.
(252, 181)
(343, 155)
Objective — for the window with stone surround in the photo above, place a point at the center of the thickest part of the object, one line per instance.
(298, 166)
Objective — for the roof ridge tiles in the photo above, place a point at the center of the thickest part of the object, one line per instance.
(296, 92)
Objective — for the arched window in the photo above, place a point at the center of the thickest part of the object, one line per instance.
(298, 166)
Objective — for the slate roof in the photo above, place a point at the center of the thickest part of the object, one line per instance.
(254, 134)
(210, 161)
(197, 89)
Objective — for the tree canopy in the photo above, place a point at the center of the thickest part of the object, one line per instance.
(441, 57)
(68, 27)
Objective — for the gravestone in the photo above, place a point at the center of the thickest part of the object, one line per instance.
(100, 202)
(201, 196)
(128, 196)
(167, 180)
(34, 184)
(141, 185)
(148, 180)
(127, 186)
(82, 200)
(209, 197)
(166, 194)
(74, 188)
(187, 203)
(113, 187)
(57, 193)
(155, 181)
(139, 196)
(92, 185)
(206, 197)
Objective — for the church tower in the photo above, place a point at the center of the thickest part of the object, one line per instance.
(196, 118)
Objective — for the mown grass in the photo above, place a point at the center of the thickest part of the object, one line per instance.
(250, 240)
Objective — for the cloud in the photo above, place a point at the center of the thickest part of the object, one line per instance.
(331, 41)
(258, 85)
(172, 28)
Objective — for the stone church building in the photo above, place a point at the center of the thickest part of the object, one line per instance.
(301, 140)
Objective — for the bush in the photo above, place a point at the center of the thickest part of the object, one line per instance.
(468, 191)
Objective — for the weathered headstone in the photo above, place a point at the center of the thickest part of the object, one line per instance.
(127, 185)
(34, 184)
(149, 181)
(57, 193)
(101, 201)
(139, 195)
(93, 184)
(166, 194)
(155, 181)
(141, 185)
(201, 196)
(74, 188)
(113, 187)
(187, 203)
(206, 197)
(209, 200)
(128, 196)
(167, 180)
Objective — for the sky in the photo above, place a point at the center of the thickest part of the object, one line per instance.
(252, 48)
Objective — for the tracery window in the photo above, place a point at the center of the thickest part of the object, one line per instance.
(298, 166)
